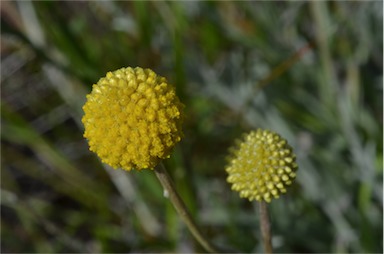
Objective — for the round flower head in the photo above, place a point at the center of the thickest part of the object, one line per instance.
(132, 118)
(261, 166)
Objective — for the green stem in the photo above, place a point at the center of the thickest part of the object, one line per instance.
(180, 207)
(265, 227)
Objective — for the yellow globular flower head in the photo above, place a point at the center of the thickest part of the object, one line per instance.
(132, 118)
(261, 166)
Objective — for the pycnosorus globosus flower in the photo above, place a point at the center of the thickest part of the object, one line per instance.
(132, 118)
(261, 166)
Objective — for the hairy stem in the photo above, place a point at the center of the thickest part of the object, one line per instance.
(265, 227)
(180, 207)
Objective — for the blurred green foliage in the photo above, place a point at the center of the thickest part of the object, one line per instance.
(311, 71)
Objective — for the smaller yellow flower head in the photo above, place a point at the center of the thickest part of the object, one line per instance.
(261, 166)
(132, 118)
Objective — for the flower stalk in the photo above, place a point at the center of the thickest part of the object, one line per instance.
(180, 207)
(265, 227)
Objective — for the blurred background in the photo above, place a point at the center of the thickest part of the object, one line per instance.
(311, 71)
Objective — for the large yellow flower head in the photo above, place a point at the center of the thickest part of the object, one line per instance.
(261, 166)
(132, 118)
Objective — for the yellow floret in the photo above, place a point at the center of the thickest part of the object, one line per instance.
(132, 118)
(261, 166)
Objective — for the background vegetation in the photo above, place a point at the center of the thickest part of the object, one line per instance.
(311, 71)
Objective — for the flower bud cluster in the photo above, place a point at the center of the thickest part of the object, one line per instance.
(261, 166)
(132, 118)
